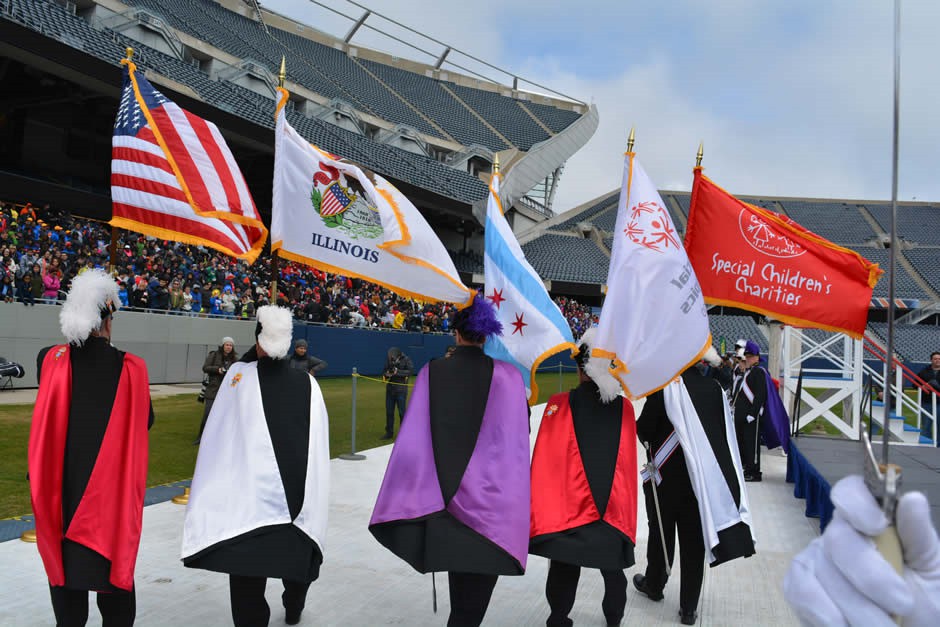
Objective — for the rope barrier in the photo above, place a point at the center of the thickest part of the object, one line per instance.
(362, 376)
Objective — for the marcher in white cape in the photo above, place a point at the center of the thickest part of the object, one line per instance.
(259, 499)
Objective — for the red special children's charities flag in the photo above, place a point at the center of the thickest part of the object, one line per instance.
(748, 257)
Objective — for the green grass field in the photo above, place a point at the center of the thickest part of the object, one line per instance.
(172, 454)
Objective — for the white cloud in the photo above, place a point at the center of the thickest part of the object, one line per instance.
(791, 100)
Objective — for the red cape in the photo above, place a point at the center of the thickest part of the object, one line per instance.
(109, 516)
(561, 495)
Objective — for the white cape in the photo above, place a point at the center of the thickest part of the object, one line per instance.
(716, 505)
(237, 486)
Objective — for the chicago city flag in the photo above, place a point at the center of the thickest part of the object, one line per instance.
(330, 213)
(533, 327)
(174, 177)
(654, 323)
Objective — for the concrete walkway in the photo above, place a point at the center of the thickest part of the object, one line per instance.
(27, 396)
(362, 584)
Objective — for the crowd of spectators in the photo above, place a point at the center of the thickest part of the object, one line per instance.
(42, 249)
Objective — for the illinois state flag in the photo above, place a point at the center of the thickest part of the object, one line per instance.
(653, 324)
(174, 177)
(329, 213)
(754, 259)
(534, 328)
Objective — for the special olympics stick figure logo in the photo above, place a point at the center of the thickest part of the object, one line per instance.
(764, 238)
(649, 226)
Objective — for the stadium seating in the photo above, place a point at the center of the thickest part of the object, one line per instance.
(467, 261)
(927, 262)
(732, 328)
(589, 213)
(904, 284)
(504, 114)
(428, 95)
(913, 342)
(48, 17)
(555, 119)
(836, 221)
(919, 224)
(565, 258)
(395, 95)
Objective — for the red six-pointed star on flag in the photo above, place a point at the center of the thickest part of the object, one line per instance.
(496, 297)
(519, 324)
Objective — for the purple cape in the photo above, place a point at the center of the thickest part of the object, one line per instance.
(493, 496)
(775, 429)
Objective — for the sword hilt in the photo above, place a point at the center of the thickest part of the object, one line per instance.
(884, 483)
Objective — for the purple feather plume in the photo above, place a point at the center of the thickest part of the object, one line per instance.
(478, 321)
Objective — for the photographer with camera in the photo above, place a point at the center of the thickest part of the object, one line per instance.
(216, 365)
(398, 367)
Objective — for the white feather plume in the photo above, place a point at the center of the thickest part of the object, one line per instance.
(711, 357)
(598, 369)
(89, 294)
(277, 326)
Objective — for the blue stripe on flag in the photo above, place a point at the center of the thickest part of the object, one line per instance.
(497, 350)
(532, 289)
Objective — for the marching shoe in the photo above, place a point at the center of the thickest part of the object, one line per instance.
(687, 618)
(753, 478)
(387, 436)
(639, 582)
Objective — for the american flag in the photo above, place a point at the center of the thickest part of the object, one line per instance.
(174, 177)
(335, 200)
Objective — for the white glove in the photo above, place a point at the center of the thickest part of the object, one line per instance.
(841, 579)
(750, 419)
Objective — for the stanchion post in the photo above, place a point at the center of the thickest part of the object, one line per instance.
(353, 455)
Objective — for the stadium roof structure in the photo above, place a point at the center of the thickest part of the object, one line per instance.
(422, 125)
(572, 245)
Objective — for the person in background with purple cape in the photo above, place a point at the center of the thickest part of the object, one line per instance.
(758, 411)
(455, 496)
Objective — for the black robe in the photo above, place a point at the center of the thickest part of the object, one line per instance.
(96, 371)
(654, 427)
(281, 551)
(458, 390)
(597, 544)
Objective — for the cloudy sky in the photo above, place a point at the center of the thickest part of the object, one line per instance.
(792, 98)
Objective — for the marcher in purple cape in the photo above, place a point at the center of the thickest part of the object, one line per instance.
(758, 411)
(455, 496)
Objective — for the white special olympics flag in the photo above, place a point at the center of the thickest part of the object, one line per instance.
(533, 326)
(332, 214)
(654, 323)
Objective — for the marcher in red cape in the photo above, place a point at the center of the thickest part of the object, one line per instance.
(584, 489)
(88, 458)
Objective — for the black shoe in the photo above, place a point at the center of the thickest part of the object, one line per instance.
(387, 436)
(292, 616)
(753, 478)
(687, 618)
(639, 582)
(614, 622)
(197, 441)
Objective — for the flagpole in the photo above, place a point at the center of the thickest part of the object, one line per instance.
(631, 139)
(116, 231)
(892, 253)
(275, 258)
(700, 154)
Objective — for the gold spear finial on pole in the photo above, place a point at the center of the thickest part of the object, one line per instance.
(631, 139)
(700, 154)
(282, 74)
(129, 52)
(496, 163)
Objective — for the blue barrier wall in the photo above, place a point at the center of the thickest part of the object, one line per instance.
(366, 349)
